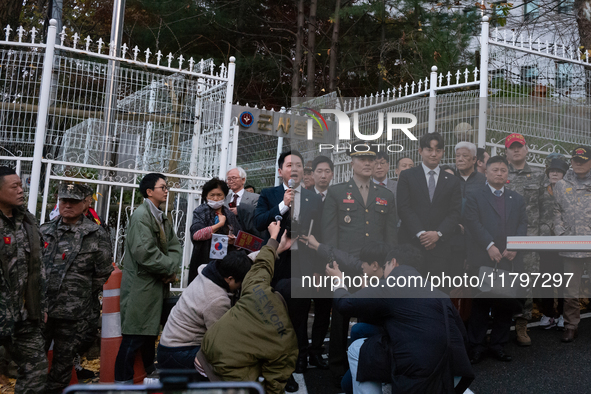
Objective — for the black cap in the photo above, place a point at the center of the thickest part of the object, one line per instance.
(582, 152)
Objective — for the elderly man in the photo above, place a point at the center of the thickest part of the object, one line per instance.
(22, 286)
(526, 181)
(77, 260)
(572, 215)
(242, 203)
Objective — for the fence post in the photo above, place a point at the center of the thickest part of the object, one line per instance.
(42, 115)
(483, 100)
(227, 118)
(432, 99)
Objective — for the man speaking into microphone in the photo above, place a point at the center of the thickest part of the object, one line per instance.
(299, 208)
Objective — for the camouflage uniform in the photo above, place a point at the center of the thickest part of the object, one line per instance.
(572, 216)
(527, 182)
(22, 301)
(77, 262)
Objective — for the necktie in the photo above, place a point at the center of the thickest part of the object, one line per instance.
(431, 184)
(296, 205)
(323, 196)
(498, 193)
(235, 200)
(364, 190)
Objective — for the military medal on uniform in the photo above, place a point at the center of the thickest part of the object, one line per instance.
(347, 219)
(349, 200)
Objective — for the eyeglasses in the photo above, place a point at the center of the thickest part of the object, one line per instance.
(233, 178)
(164, 188)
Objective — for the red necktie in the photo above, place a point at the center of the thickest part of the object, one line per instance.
(235, 200)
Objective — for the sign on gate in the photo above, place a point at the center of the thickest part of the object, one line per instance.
(283, 124)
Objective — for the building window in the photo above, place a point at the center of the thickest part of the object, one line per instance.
(530, 11)
(565, 6)
(500, 9)
(529, 74)
(564, 73)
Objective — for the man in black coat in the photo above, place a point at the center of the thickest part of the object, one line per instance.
(429, 204)
(492, 214)
(422, 331)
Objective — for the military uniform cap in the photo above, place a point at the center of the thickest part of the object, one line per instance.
(88, 191)
(362, 148)
(515, 137)
(72, 191)
(557, 164)
(582, 152)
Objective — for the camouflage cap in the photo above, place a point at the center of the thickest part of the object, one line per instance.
(555, 155)
(88, 191)
(72, 190)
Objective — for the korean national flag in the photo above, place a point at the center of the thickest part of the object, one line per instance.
(219, 246)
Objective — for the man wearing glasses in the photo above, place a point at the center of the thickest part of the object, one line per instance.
(153, 255)
(241, 202)
(380, 172)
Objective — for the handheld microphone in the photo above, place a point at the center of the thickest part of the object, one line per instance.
(290, 183)
(278, 218)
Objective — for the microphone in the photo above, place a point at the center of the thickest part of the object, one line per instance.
(278, 218)
(290, 183)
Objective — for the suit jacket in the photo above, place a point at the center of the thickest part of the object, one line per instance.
(246, 210)
(419, 213)
(247, 198)
(390, 184)
(310, 207)
(348, 224)
(484, 223)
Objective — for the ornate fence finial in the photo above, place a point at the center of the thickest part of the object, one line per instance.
(33, 34)
(158, 57)
(100, 43)
(148, 53)
(7, 29)
(88, 41)
(76, 37)
(136, 52)
(191, 64)
(63, 36)
(21, 31)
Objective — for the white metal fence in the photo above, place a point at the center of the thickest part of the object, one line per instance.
(60, 121)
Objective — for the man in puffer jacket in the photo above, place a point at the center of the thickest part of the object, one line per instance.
(255, 337)
(572, 216)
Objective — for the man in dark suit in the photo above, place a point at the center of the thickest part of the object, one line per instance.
(429, 204)
(492, 214)
(298, 208)
(355, 213)
(241, 203)
(381, 170)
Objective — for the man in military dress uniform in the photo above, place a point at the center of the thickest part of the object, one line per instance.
(77, 260)
(22, 286)
(526, 181)
(354, 213)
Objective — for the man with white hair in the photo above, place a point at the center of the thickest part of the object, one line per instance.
(470, 179)
(241, 203)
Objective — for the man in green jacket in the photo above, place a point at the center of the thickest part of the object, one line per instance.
(255, 337)
(152, 257)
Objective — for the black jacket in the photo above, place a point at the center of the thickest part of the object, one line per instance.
(424, 341)
(418, 213)
(484, 224)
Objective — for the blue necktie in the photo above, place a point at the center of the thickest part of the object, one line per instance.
(498, 193)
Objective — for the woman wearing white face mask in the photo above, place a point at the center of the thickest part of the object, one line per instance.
(212, 216)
